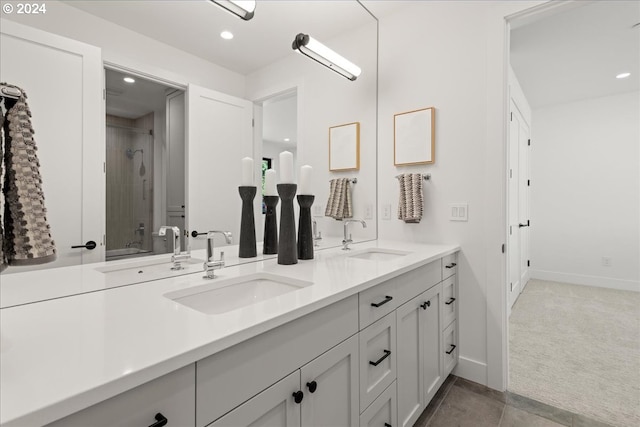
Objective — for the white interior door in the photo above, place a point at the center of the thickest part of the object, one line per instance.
(514, 216)
(518, 203)
(63, 80)
(219, 135)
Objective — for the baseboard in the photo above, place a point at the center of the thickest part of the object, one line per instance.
(580, 279)
(471, 370)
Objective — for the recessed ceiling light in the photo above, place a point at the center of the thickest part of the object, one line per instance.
(623, 75)
(129, 80)
(287, 140)
(227, 35)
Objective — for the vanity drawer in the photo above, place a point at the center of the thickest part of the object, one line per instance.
(377, 302)
(172, 396)
(415, 282)
(449, 265)
(377, 359)
(449, 301)
(450, 349)
(382, 411)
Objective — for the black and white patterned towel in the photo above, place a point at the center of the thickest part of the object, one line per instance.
(411, 202)
(339, 204)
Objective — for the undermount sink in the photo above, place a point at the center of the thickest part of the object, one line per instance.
(378, 254)
(145, 270)
(222, 296)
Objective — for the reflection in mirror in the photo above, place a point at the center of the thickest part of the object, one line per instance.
(141, 157)
(180, 48)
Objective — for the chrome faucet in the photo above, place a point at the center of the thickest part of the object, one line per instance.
(177, 256)
(347, 237)
(317, 235)
(211, 264)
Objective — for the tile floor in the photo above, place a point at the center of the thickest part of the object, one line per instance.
(463, 403)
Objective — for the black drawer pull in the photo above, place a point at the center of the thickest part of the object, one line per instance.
(297, 396)
(387, 425)
(453, 264)
(387, 298)
(387, 353)
(451, 300)
(453, 347)
(161, 420)
(312, 386)
(424, 305)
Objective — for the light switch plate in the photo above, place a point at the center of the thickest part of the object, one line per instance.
(386, 211)
(317, 210)
(368, 212)
(459, 212)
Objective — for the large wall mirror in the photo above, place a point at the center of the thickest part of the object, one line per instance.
(174, 48)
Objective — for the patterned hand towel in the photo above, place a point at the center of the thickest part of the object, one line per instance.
(26, 238)
(411, 203)
(339, 203)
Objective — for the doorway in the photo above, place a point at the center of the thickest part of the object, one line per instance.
(144, 190)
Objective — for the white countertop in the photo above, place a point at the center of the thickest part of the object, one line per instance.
(63, 355)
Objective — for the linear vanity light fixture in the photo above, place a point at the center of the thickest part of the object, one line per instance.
(315, 50)
(244, 9)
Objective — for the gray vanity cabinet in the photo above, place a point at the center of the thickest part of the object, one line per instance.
(171, 396)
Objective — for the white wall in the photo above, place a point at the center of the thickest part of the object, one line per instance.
(327, 99)
(450, 55)
(586, 192)
(127, 48)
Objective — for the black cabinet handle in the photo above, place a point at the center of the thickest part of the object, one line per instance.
(297, 396)
(453, 264)
(451, 300)
(161, 420)
(387, 425)
(387, 298)
(194, 233)
(312, 386)
(387, 353)
(424, 305)
(91, 245)
(453, 347)
(524, 225)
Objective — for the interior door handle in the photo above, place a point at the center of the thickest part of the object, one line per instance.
(91, 245)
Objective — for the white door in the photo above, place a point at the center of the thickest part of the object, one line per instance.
(219, 135)
(63, 80)
(274, 407)
(410, 368)
(518, 203)
(330, 386)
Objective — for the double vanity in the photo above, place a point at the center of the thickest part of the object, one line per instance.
(363, 337)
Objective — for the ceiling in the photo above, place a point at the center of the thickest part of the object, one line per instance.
(133, 100)
(576, 53)
(194, 26)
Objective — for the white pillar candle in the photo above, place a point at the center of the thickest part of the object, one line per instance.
(270, 183)
(286, 167)
(305, 180)
(247, 171)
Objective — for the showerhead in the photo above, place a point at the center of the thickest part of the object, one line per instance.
(142, 170)
(130, 153)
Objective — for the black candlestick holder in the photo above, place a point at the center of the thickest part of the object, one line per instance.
(247, 222)
(270, 241)
(305, 233)
(287, 248)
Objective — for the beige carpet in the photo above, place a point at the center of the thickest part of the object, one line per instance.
(578, 348)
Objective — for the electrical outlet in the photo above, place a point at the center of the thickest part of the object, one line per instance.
(368, 212)
(606, 261)
(317, 210)
(386, 211)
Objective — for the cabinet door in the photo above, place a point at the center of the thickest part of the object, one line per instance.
(330, 386)
(274, 407)
(172, 396)
(410, 371)
(432, 321)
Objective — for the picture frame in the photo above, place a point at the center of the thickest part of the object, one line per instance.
(414, 137)
(344, 147)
